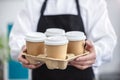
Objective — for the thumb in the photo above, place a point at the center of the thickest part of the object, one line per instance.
(89, 46)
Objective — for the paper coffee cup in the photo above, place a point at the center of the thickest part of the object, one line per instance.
(56, 47)
(35, 43)
(76, 42)
(55, 32)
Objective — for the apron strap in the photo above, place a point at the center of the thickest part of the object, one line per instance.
(78, 7)
(45, 3)
(43, 7)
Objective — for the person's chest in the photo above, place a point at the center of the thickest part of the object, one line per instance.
(57, 7)
(54, 7)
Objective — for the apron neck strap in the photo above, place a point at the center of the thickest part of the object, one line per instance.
(43, 7)
(78, 7)
(45, 3)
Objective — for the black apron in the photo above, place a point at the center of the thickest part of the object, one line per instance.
(67, 22)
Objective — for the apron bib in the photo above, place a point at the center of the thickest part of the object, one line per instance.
(68, 23)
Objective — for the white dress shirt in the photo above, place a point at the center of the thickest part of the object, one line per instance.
(94, 13)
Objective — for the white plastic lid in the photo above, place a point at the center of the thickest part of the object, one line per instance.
(55, 32)
(56, 40)
(35, 37)
(75, 35)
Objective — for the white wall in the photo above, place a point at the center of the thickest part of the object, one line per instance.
(8, 11)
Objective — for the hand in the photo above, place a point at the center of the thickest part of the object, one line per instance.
(84, 62)
(24, 62)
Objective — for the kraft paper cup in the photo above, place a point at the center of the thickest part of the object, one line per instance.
(55, 32)
(76, 42)
(35, 43)
(56, 47)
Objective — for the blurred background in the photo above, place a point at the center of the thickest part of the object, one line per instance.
(11, 70)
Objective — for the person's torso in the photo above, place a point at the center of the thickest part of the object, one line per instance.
(68, 22)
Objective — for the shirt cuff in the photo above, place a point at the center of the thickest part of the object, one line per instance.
(14, 54)
(98, 60)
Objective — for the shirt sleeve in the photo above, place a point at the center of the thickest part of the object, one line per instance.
(24, 23)
(101, 32)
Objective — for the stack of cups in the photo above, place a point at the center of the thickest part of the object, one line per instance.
(35, 43)
(76, 42)
(56, 43)
(55, 32)
(56, 47)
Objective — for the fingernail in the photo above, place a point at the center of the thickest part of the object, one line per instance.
(77, 59)
(38, 62)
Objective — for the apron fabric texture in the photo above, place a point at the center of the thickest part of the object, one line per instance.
(68, 23)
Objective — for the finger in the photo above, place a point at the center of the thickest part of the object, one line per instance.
(83, 63)
(87, 62)
(89, 46)
(31, 66)
(21, 59)
(38, 65)
(90, 56)
(82, 67)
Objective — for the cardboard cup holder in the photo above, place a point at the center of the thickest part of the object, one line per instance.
(52, 63)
